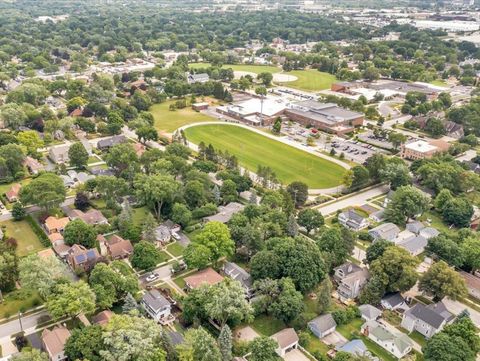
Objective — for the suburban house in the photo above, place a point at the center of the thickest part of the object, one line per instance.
(33, 165)
(197, 78)
(237, 273)
(53, 341)
(92, 216)
(473, 284)
(378, 216)
(323, 325)
(386, 231)
(397, 344)
(12, 194)
(107, 143)
(103, 317)
(56, 225)
(206, 276)
(414, 244)
(427, 320)
(429, 232)
(369, 312)
(393, 301)
(59, 154)
(352, 220)
(225, 213)
(350, 279)
(80, 258)
(157, 307)
(115, 247)
(163, 234)
(287, 340)
(56, 239)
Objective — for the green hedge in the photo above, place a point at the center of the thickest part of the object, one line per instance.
(38, 231)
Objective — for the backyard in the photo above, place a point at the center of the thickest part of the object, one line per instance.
(252, 149)
(27, 241)
(168, 121)
(310, 80)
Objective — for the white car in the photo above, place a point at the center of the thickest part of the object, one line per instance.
(152, 277)
(175, 235)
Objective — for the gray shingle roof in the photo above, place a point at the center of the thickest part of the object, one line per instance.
(155, 300)
(324, 322)
(369, 311)
(237, 273)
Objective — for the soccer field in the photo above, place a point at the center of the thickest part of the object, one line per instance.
(310, 80)
(252, 149)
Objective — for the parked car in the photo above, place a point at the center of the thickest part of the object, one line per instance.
(152, 277)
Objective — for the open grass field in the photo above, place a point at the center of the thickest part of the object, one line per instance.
(27, 240)
(310, 80)
(257, 69)
(168, 121)
(252, 149)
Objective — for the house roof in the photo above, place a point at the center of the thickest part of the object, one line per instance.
(324, 322)
(415, 226)
(45, 253)
(401, 341)
(352, 215)
(430, 315)
(56, 223)
(162, 232)
(206, 276)
(414, 244)
(119, 247)
(81, 255)
(55, 339)
(103, 317)
(155, 300)
(348, 268)
(353, 347)
(33, 164)
(92, 216)
(111, 141)
(14, 190)
(225, 213)
(472, 282)
(54, 237)
(429, 232)
(380, 215)
(369, 311)
(387, 231)
(393, 299)
(237, 273)
(285, 337)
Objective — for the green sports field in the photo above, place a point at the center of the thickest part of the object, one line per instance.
(257, 69)
(310, 80)
(168, 121)
(290, 164)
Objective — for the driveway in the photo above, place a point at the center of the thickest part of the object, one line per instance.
(335, 338)
(359, 254)
(246, 334)
(457, 307)
(295, 355)
(164, 273)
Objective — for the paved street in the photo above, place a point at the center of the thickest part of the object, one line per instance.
(355, 200)
(164, 273)
(457, 307)
(28, 322)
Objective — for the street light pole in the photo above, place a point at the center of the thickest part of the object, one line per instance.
(20, 321)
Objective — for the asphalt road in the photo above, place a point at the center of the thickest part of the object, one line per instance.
(13, 326)
(164, 272)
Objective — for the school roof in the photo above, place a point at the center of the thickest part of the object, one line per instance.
(324, 112)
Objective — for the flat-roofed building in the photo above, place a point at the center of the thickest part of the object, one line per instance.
(325, 116)
(255, 111)
(421, 149)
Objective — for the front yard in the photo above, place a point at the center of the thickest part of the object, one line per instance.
(18, 301)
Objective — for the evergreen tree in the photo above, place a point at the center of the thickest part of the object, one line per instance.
(292, 227)
(129, 304)
(217, 195)
(225, 343)
(253, 198)
(148, 228)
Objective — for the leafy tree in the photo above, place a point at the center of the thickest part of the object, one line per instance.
(434, 127)
(146, 133)
(396, 269)
(225, 343)
(148, 228)
(442, 198)
(442, 347)
(292, 226)
(447, 249)
(407, 202)
(310, 219)
(85, 344)
(197, 256)
(199, 345)
(8, 268)
(111, 188)
(156, 191)
(299, 193)
(143, 335)
(18, 211)
(13, 116)
(216, 237)
(30, 355)
(263, 349)
(396, 139)
(324, 295)
(78, 155)
(265, 264)
(11, 161)
(228, 191)
(82, 201)
(266, 78)
(123, 159)
(31, 140)
(277, 126)
(356, 178)
(46, 191)
(458, 211)
(195, 194)
(337, 244)
(112, 283)
(396, 174)
(289, 302)
(70, 300)
(376, 250)
(145, 256)
(181, 214)
(464, 327)
(440, 281)
(115, 122)
(372, 292)
(79, 232)
(471, 251)
(40, 274)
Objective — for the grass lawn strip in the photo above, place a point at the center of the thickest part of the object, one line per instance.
(253, 149)
(176, 249)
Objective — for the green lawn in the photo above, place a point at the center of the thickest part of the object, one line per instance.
(439, 82)
(176, 249)
(257, 69)
(168, 121)
(310, 80)
(139, 215)
(252, 149)
(267, 325)
(6, 187)
(315, 345)
(350, 328)
(18, 300)
(436, 221)
(27, 240)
